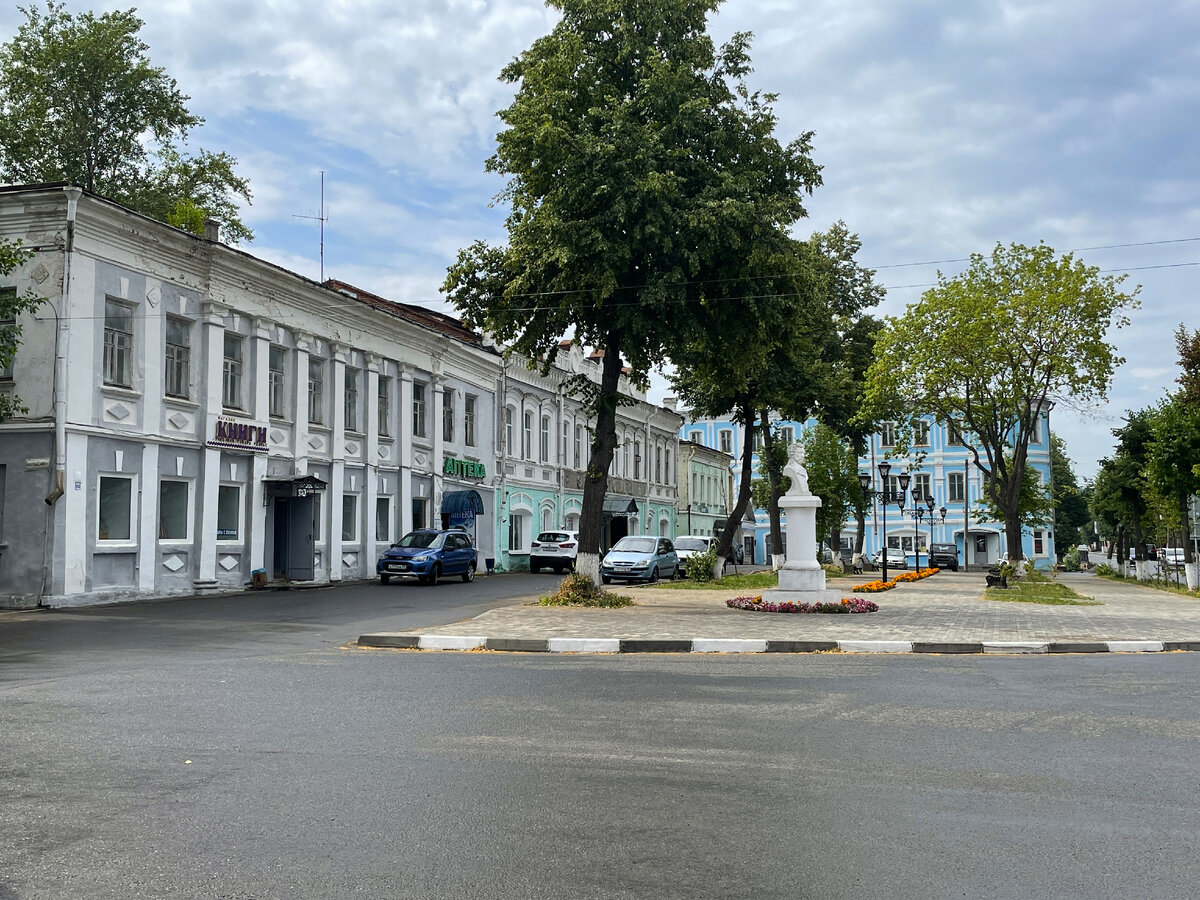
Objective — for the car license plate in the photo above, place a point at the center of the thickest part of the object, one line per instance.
(397, 567)
(549, 549)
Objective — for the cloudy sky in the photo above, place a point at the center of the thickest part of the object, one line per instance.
(942, 126)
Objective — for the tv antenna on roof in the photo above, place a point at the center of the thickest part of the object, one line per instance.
(322, 219)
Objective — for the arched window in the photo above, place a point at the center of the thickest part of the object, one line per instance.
(544, 443)
(508, 430)
(527, 435)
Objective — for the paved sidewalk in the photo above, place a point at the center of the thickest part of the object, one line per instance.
(946, 611)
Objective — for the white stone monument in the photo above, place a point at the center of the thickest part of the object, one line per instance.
(801, 578)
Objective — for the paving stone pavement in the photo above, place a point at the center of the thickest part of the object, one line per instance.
(948, 607)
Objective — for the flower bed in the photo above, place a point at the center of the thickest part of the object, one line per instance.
(874, 587)
(848, 605)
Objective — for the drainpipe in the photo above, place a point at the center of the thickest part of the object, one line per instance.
(62, 332)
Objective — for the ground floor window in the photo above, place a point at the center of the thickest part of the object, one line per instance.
(229, 512)
(383, 518)
(350, 517)
(116, 508)
(547, 519)
(174, 510)
(419, 507)
(1039, 543)
(516, 533)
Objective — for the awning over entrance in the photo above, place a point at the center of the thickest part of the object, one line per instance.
(277, 486)
(456, 503)
(620, 506)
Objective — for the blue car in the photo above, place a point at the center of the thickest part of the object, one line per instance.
(428, 554)
(639, 558)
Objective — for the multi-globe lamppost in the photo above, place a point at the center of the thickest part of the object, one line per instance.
(918, 513)
(884, 496)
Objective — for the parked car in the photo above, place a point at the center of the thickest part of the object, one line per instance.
(639, 558)
(896, 559)
(944, 556)
(428, 554)
(555, 550)
(1172, 557)
(688, 545)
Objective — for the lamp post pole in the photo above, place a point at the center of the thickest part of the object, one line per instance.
(884, 496)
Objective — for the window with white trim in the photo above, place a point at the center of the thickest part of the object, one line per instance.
(115, 508)
(231, 372)
(276, 390)
(725, 440)
(383, 519)
(349, 518)
(448, 415)
(1039, 543)
(527, 435)
(350, 398)
(921, 486)
(174, 510)
(385, 406)
(921, 433)
(418, 408)
(316, 390)
(954, 486)
(469, 403)
(516, 533)
(509, 437)
(177, 363)
(887, 434)
(229, 512)
(118, 344)
(544, 441)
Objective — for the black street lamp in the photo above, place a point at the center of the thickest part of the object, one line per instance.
(884, 496)
(919, 513)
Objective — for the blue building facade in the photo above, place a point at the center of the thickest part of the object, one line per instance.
(940, 466)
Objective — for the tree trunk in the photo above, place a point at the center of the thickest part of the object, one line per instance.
(1190, 570)
(604, 442)
(746, 414)
(774, 480)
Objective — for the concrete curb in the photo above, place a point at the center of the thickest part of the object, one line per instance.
(410, 641)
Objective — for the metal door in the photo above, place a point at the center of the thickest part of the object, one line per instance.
(300, 566)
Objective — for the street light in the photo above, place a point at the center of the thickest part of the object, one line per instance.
(884, 496)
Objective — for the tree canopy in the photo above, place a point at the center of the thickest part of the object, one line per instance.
(993, 349)
(80, 102)
(1070, 506)
(642, 175)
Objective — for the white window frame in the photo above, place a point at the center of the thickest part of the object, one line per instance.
(509, 435)
(518, 540)
(725, 440)
(419, 428)
(131, 540)
(527, 434)
(241, 511)
(470, 402)
(352, 500)
(350, 383)
(544, 440)
(119, 346)
(232, 370)
(277, 382)
(448, 415)
(384, 500)
(189, 514)
(953, 480)
(177, 360)
(887, 434)
(384, 424)
(316, 390)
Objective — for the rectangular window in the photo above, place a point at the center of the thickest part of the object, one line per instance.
(316, 391)
(229, 512)
(637, 459)
(116, 508)
(508, 430)
(173, 511)
(350, 398)
(954, 486)
(725, 440)
(350, 517)
(887, 434)
(544, 442)
(579, 445)
(527, 435)
(758, 441)
(6, 366)
(276, 399)
(418, 512)
(788, 434)
(118, 343)
(385, 406)
(921, 486)
(178, 358)
(1039, 543)
(448, 415)
(383, 518)
(921, 434)
(954, 433)
(418, 408)
(658, 464)
(231, 373)
(469, 420)
(516, 539)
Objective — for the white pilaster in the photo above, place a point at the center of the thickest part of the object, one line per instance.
(148, 511)
(370, 488)
(213, 348)
(337, 459)
(404, 434)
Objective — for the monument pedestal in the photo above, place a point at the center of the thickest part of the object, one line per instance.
(801, 578)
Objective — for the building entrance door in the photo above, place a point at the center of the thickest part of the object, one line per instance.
(294, 532)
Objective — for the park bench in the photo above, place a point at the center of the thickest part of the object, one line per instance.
(995, 578)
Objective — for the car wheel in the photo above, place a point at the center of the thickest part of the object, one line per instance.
(558, 570)
(384, 579)
(653, 576)
(605, 579)
(954, 568)
(432, 577)
(469, 575)
(534, 570)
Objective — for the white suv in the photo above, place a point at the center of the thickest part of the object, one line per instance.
(554, 550)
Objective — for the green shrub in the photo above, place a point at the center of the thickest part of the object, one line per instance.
(1106, 570)
(580, 590)
(1070, 561)
(700, 566)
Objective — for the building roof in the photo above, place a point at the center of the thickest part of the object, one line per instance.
(427, 318)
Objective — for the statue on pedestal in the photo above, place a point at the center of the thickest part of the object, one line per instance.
(795, 470)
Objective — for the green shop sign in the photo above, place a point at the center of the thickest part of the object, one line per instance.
(464, 468)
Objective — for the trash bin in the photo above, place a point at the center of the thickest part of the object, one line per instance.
(490, 564)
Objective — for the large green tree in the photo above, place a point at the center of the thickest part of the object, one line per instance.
(12, 307)
(80, 102)
(993, 349)
(641, 172)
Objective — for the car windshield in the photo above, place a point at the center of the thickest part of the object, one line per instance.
(636, 545)
(420, 539)
(553, 537)
(691, 544)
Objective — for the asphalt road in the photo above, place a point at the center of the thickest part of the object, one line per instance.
(238, 748)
